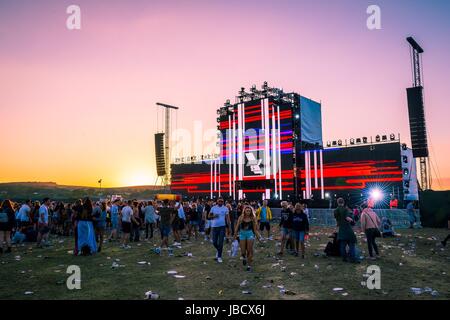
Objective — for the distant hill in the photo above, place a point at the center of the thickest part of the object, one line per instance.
(19, 191)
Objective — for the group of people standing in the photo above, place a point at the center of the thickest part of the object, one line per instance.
(94, 223)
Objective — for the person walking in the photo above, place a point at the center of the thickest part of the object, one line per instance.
(246, 228)
(346, 235)
(370, 225)
(285, 225)
(220, 218)
(300, 228)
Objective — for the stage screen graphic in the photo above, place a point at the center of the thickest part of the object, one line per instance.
(354, 172)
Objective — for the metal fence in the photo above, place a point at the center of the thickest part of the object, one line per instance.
(325, 217)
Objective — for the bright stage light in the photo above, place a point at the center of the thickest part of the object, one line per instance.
(297, 116)
(327, 195)
(376, 195)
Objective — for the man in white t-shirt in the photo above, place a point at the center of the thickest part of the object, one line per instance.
(43, 222)
(126, 216)
(220, 220)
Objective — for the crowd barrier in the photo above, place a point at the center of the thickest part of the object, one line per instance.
(325, 217)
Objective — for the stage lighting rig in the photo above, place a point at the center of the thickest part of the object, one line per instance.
(392, 137)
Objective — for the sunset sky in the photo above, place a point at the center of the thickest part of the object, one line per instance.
(79, 105)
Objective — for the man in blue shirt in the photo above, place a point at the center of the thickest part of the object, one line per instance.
(220, 219)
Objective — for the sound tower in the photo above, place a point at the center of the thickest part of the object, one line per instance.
(417, 122)
(159, 153)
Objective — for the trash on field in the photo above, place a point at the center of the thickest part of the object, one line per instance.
(338, 289)
(416, 291)
(28, 292)
(70, 252)
(172, 272)
(244, 283)
(246, 292)
(179, 276)
(293, 273)
(289, 292)
(345, 294)
(149, 295)
(180, 298)
(267, 286)
(114, 265)
(142, 262)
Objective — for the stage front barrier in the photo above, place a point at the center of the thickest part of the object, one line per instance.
(325, 217)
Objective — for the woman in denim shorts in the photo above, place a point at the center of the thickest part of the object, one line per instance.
(246, 228)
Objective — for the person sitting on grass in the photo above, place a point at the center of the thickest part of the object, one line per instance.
(387, 229)
(370, 225)
(246, 228)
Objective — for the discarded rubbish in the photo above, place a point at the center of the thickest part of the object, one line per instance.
(172, 272)
(293, 273)
(246, 292)
(178, 276)
(338, 289)
(149, 295)
(416, 291)
(28, 292)
(142, 262)
(289, 292)
(244, 283)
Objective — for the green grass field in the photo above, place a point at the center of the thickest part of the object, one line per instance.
(43, 271)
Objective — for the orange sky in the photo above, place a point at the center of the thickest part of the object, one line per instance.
(77, 106)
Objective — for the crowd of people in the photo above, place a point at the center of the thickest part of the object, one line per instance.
(92, 224)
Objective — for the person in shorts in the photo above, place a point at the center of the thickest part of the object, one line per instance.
(126, 216)
(285, 225)
(167, 214)
(264, 216)
(246, 228)
(300, 228)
